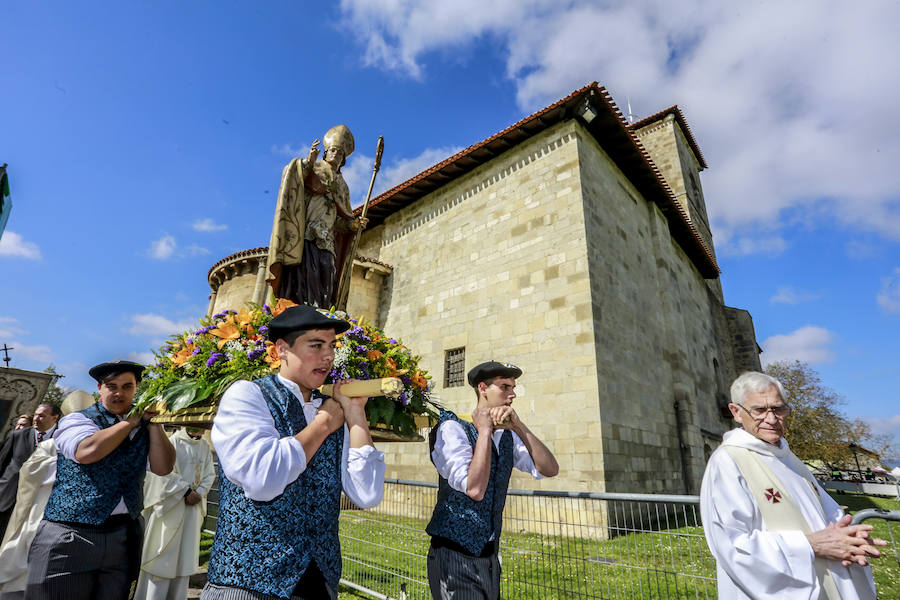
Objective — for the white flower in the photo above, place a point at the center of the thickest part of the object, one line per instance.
(341, 355)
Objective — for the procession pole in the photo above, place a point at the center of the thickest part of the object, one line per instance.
(344, 287)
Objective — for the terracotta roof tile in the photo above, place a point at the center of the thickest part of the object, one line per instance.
(679, 116)
(610, 130)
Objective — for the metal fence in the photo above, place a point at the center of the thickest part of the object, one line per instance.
(554, 545)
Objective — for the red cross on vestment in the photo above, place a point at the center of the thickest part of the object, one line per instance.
(773, 495)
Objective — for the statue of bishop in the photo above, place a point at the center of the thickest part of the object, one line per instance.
(314, 224)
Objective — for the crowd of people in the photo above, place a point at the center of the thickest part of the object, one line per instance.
(103, 504)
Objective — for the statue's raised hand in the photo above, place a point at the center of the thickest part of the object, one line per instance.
(314, 151)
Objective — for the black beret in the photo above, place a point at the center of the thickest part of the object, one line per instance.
(303, 317)
(117, 366)
(492, 368)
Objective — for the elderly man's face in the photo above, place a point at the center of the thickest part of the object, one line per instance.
(334, 156)
(23, 422)
(758, 415)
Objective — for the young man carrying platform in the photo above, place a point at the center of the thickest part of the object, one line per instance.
(88, 546)
(474, 461)
(285, 452)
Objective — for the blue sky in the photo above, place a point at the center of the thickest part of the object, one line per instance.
(146, 142)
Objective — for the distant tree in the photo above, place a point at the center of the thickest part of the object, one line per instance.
(55, 394)
(817, 428)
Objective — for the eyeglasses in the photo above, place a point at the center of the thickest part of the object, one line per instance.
(760, 412)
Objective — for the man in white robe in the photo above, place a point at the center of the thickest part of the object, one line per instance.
(775, 533)
(35, 483)
(174, 509)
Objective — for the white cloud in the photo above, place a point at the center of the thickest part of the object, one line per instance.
(163, 248)
(195, 250)
(145, 358)
(860, 250)
(793, 119)
(207, 225)
(9, 328)
(36, 353)
(808, 344)
(166, 248)
(358, 171)
(889, 296)
(743, 246)
(788, 295)
(157, 326)
(291, 151)
(13, 244)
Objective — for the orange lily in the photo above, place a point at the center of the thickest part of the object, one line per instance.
(181, 357)
(420, 381)
(374, 355)
(391, 367)
(282, 305)
(244, 320)
(226, 331)
(272, 356)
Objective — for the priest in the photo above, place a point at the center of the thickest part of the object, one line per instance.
(775, 533)
(174, 509)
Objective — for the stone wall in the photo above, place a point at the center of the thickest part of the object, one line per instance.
(671, 152)
(549, 258)
(495, 262)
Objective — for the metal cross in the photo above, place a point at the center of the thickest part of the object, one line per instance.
(6, 358)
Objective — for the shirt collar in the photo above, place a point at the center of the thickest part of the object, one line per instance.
(315, 398)
(745, 439)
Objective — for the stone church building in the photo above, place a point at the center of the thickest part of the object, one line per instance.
(576, 246)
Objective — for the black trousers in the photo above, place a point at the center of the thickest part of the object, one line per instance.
(457, 575)
(68, 561)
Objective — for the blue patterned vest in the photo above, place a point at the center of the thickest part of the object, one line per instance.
(88, 493)
(267, 546)
(457, 517)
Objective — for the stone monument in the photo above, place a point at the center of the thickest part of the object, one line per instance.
(20, 393)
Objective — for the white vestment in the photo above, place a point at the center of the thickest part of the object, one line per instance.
(171, 551)
(35, 483)
(753, 562)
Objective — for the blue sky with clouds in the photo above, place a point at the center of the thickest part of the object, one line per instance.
(146, 142)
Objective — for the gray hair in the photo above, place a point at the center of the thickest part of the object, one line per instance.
(753, 381)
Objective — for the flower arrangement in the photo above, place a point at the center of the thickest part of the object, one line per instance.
(197, 367)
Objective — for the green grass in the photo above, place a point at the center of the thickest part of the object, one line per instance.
(673, 563)
(665, 564)
(885, 570)
(381, 552)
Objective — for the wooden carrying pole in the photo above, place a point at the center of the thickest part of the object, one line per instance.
(344, 287)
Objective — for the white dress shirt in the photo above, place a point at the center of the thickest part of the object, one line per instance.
(38, 438)
(452, 454)
(74, 429)
(255, 457)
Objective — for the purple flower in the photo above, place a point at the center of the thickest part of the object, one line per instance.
(360, 348)
(195, 352)
(263, 330)
(214, 358)
(267, 310)
(202, 330)
(160, 364)
(254, 354)
(220, 315)
(190, 340)
(392, 342)
(404, 400)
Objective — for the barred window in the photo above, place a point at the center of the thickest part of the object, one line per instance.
(454, 367)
